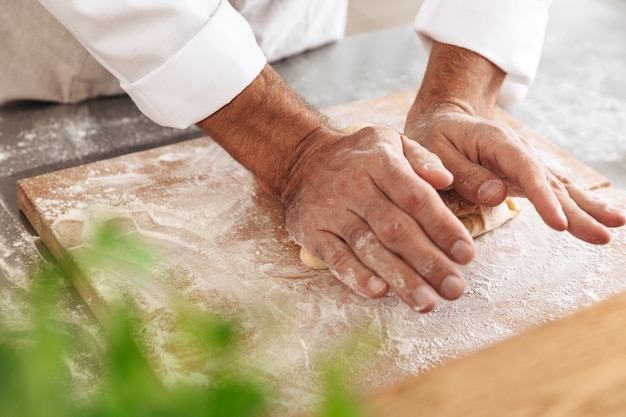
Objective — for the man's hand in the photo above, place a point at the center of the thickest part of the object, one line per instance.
(364, 203)
(451, 117)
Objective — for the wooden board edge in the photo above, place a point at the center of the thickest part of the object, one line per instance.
(546, 371)
(78, 278)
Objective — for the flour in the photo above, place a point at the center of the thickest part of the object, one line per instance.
(18, 259)
(590, 125)
(172, 157)
(47, 141)
(224, 250)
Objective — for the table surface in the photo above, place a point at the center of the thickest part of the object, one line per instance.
(578, 101)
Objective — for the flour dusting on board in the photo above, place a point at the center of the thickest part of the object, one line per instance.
(224, 249)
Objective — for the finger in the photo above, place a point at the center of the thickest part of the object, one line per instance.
(403, 237)
(588, 216)
(346, 267)
(483, 187)
(404, 281)
(402, 234)
(471, 180)
(598, 209)
(425, 208)
(514, 160)
(582, 225)
(543, 195)
(477, 184)
(472, 161)
(426, 164)
(409, 262)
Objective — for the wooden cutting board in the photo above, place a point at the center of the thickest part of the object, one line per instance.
(224, 248)
(571, 367)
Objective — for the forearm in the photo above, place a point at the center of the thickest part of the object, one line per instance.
(461, 77)
(266, 128)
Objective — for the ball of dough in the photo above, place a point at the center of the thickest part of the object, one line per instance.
(311, 260)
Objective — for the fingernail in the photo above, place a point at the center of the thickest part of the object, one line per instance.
(424, 297)
(489, 189)
(376, 285)
(452, 287)
(462, 251)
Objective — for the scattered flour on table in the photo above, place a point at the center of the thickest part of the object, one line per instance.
(224, 249)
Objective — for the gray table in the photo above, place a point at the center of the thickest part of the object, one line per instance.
(578, 100)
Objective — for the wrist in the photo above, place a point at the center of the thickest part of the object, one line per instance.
(308, 155)
(462, 78)
(268, 128)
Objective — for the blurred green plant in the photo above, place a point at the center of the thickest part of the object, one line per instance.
(35, 381)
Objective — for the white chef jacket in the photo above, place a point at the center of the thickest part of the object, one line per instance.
(182, 60)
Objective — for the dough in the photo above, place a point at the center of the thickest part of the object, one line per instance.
(353, 128)
(477, 219)
(311, 260)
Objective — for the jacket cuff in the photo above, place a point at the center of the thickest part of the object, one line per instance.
(509, 33)
(204, 75)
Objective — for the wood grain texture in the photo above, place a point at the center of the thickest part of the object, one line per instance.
(572, 367)
(224, 248)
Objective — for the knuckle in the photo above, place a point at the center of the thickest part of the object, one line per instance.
(468, 176)
(338, 259)
(500, 130)
(430, 267)
(393, 233)
(357, 234)
(415, 200)
(561, 179)
(442, 226)
(343, 185)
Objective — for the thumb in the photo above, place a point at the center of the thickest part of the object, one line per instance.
(426, 164)
(476, 183)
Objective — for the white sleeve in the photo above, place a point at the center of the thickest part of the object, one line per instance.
(510, 33)
(180, 61)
